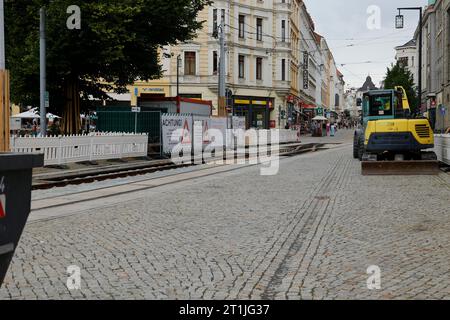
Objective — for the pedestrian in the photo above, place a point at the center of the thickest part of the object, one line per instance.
(34, 128)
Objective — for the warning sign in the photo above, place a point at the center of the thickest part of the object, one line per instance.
(2, 206)
(186, 135)
(176, 129)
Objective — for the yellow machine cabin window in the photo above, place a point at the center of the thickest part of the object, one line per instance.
(380, 105)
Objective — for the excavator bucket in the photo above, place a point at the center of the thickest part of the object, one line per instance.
(379, 168)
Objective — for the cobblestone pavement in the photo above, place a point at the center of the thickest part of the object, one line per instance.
(310, 232)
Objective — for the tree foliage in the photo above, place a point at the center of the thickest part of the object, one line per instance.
(116, 45)
(399, 75)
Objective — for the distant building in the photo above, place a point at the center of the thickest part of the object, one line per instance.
(367, 85)
(350, 103)
(407, 56)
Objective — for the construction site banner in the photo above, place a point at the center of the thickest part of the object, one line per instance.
(201, 128)
(220, 124)
(176, 131)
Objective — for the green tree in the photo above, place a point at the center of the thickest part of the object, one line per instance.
(117, 44)
(399, 75)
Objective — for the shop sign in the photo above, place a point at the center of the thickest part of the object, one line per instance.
(259, 103)
(153, 89)
(305, 79)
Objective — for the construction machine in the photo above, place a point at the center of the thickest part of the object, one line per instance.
(391, 141)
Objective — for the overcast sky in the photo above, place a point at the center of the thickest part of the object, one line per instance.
(344, 24)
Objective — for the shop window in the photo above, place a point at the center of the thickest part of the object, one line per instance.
(190, 63)
(241, 67)
(258, 68)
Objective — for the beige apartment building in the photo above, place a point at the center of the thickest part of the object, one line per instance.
(258, 61)
(264, 62)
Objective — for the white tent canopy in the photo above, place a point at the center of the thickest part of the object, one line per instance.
(320, 118)
(33, 114)
(26, 115)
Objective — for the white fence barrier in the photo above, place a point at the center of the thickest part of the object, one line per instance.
(442, 147)
(76, 148)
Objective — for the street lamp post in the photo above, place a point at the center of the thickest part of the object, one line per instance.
(43, 73)
(399, 23)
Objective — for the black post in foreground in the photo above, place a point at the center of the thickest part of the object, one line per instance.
(15, 201)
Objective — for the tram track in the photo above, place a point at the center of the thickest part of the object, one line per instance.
(44, 182)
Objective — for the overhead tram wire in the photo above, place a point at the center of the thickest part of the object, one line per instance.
(312, 39)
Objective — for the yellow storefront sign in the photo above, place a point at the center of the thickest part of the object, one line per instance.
(253, 102)
(242, 101)
(259, 103)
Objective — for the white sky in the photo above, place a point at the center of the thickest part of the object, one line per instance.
(344, 25)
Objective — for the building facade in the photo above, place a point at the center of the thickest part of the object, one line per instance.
(407, 56)
(274, 62)
(436, 63)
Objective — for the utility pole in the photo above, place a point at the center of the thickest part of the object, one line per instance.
(43, 72)
(222, 75)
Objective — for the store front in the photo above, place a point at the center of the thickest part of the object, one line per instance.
(256, 110)
(308, 112)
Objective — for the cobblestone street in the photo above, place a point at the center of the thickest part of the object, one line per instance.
(310, 232)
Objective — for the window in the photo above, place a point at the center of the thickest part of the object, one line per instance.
(215, 26)
(241, 67)
(259, 32)
(336, 100)
(241, 26)
(222, 17)
(258, 68)
(189, 63)
(403, 61)
(380, 105)
(283, 30)
(215, 63)
(283, 69)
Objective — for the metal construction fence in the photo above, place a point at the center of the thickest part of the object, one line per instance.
(148, 122)
(179, 130)
(61, 150)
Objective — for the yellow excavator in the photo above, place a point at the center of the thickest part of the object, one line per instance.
(391, 140)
